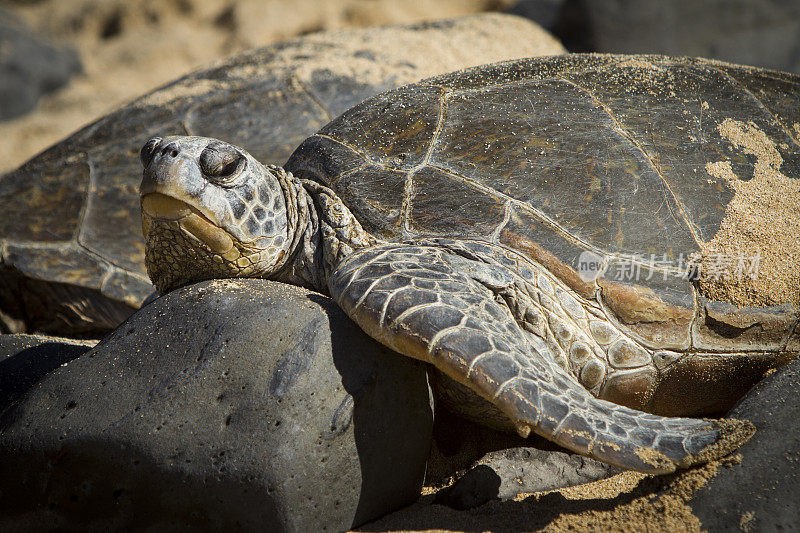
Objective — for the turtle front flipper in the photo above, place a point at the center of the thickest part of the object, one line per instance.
(426, 303)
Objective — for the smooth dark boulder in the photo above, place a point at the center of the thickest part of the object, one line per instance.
(762, 33)
(240, 404)
(25, 359)
(29, 67)
(762, 492)
(546, 13)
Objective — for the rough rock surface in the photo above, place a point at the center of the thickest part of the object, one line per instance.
(29, 67)
(762, 492)
(512, 472)
(241, 403)
(487, 464)
(25, 359)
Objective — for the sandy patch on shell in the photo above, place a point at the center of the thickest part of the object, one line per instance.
(754, 259)
(638, 63)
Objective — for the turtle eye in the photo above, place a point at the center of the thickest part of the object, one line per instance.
(148, 150)
(221, 162)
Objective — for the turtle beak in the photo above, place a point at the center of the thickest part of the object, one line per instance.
(149, 150)
(172, 186)
(165, 166)
(146, 155)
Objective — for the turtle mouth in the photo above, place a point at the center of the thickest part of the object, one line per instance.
(161, 209)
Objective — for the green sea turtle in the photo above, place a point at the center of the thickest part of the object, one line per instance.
(520, 227)
(71, 248)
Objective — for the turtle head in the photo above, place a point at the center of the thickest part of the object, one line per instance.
(209, 210)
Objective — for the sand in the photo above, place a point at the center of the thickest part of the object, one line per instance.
(626, 502)
(629, 501)
(129, 47)
(753, 258)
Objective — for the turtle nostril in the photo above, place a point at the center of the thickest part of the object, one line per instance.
(171, 149)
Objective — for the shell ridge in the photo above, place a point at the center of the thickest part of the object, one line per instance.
(187, 128)
(760, 103)
(408, 189)
(567, 63)
(36, 245)
(440, 120)
(669, 193)
(495, 237)
(136, 275)
(696, 316)
(406, 205)
(87, 201)
(85, 209)
(544, 219)
(77, 237)
(499, 195)
(359, 153)
(338, 177)
(106, 263)
(791, 334)
(295, 82)
(188, 118)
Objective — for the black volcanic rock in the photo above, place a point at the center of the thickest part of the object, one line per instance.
(762, 492)
(241, 403)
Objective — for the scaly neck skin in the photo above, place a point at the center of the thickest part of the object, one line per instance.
(322, 231)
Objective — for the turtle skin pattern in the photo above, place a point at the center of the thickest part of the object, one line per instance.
(487, 317)
(586, 154)
(436, 302)
(475, 193)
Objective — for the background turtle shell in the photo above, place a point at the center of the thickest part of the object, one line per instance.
(71, 248)
(597, 156)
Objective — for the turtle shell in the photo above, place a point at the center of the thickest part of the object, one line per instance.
(622, 175)
(71, 246)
